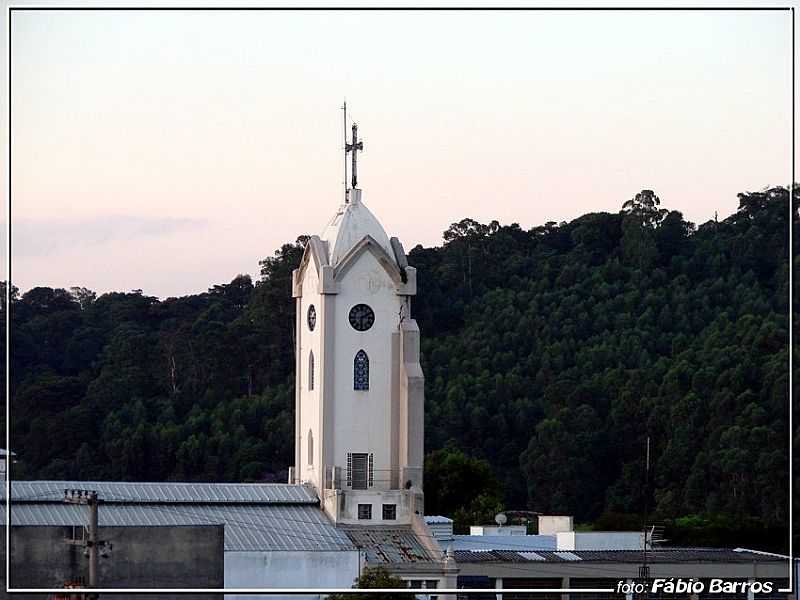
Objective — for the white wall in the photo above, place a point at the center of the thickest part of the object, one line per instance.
(599, 540)
(362, 419)
(402, 499)
(309, 399)
(496, 530)
(324, 570)
(553, 524)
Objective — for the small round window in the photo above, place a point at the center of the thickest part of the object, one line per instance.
(312, 317)
(361, 317)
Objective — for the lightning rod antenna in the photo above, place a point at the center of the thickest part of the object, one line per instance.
(344, 142)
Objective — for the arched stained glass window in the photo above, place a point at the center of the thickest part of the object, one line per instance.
(311, 371)
(361, 371)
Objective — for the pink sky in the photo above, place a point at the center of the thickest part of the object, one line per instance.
(170, 151)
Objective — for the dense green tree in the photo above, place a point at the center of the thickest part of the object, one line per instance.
(574, 440)
(550, 356)
(456, 482)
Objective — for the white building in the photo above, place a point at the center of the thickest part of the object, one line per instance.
(359, 390)
(359, 385)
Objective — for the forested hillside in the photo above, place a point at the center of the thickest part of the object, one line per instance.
(550, 354)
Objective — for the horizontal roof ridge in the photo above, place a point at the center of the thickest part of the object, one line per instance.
(168, 492)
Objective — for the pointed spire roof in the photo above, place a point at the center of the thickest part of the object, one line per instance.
(352, 222)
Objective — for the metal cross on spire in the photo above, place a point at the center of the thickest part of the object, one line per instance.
(354, 147)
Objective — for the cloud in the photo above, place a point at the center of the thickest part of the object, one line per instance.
(44, 237)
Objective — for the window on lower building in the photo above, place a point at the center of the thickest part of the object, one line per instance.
(364, 512)
(359, 472)
(389, 512)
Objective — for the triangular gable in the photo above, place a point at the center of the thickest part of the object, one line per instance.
(368, 244)
(315, 250)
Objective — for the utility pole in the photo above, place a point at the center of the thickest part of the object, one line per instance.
(644, 570)
(91, 543)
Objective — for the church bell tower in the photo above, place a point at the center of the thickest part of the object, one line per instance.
(359, 387)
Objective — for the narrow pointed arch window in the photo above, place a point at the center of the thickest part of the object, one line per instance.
(361, 371)
(310, 448)
(311, 370)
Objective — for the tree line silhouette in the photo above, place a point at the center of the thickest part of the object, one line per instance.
(550, 356)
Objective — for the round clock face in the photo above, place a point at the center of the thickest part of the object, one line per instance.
(361, 317)
(312, 317)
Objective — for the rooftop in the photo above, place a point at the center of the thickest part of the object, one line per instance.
(659, 555)
(351, 223)
(167, 492)
(388, 544)
(256, 516)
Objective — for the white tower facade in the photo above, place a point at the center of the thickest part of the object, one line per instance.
(359, 418)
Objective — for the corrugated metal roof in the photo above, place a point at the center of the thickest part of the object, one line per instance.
(659, 555)
(167, 492)
(531, 556)
(474, 556)
(666, 555)
(257, 516)
(265, 527)
(387, 544)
